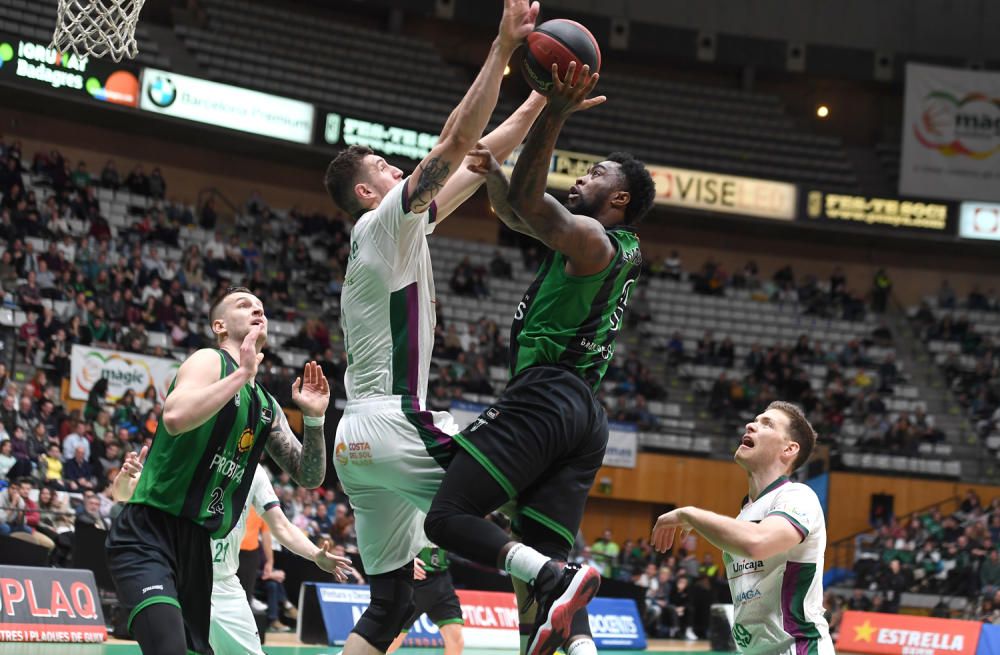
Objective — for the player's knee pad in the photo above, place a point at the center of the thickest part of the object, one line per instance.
(391, 605)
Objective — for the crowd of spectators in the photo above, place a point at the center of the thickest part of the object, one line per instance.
(947, 555)
(853, 391)
(856, 381)
(112, 288)
(973, 372)
(679, 589)
(830, 299)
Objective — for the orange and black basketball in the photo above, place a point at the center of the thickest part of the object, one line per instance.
(558, 41)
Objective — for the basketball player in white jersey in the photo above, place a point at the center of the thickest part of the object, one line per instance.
(233, 630)
(390, 453)
(773, 551)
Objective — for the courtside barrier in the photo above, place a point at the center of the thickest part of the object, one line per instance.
(490, 617)
(328, 612)
(898, 634)
(52, 605)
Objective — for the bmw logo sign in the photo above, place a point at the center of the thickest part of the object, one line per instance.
(162, 92)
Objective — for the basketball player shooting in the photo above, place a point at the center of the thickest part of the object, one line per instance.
(542, 443)
(390, 453)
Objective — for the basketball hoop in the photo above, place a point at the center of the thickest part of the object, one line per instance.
(98, 27)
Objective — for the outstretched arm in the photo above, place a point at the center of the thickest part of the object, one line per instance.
(466, 124)
(296, 541)
(771, 536)
(581, 239)
(501, 142)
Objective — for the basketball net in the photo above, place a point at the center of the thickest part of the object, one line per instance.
(98, 27)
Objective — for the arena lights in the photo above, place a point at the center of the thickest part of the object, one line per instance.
(822, 111)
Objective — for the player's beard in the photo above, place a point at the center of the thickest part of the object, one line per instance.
(582, 205)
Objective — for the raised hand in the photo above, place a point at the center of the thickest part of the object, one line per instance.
(518, 21)
(311, 392)
(483, 162)
(249, 357)
(132, 466)
(123, 486)
(569, 94)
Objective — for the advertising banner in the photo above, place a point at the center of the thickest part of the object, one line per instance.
(979, 220)
(950, 140)
(728, 194)
(232, 107)
(123, 370)
(51, 605)
(385, 139)
(30, 63)
(885, 214)
(989, 640)
(623, 445)
(490, 617)
(688, 189)
(615, 623)
(900, 634)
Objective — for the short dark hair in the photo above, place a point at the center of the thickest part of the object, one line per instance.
(799, 431)
(222, 296)
(342, 175)
(639, 183)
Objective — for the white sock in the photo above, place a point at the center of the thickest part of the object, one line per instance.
(524, 644)
(524, 562)
(582, 647)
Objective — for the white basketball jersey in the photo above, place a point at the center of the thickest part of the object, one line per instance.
(387, 301)
(226, 552)
(778, 602)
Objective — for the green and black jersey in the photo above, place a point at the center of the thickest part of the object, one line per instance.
(204, 474)
(435, 559)
(573, 321)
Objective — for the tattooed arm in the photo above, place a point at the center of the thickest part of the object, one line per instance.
(468, 120)
(500, 142)
(306, 461)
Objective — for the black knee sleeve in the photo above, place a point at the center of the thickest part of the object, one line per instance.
(455, 520)
(159, 629)
(391, 605)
